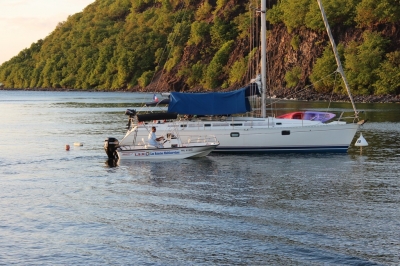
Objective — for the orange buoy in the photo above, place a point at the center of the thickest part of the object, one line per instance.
(67, 147)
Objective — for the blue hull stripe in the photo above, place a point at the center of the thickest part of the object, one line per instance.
(284, 149)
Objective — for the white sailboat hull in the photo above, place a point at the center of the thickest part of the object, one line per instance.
(265, 135)
(306, 139)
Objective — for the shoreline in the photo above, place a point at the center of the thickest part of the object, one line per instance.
(309, 97)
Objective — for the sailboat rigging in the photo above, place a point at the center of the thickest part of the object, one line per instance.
(217, 114)
(337, 58)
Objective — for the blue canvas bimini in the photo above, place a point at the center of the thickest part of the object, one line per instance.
(213, 103)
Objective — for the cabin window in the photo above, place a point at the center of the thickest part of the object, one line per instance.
(220, 124)
(285, 132)
(235, 125)
(207, 125)
(235, 134)
(183, 125)
(279, 124)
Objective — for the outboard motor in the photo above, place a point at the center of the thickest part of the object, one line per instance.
(130, 112)
(110, 146)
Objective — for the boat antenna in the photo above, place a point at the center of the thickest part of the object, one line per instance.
(340, 68)
(263, 57)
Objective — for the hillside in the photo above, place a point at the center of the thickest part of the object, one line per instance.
(164, 45)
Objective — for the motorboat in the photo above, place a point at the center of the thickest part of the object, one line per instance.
(171, 147)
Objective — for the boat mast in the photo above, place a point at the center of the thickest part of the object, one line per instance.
(263, 57)
(340, 68)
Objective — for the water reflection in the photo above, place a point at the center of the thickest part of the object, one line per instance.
(112, 163)
(170, 169)
(109, 106)
(263, 181)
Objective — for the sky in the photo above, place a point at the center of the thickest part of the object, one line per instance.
(23, 22)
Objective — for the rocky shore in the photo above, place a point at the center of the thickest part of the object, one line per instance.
(303, 96)
(312, 96)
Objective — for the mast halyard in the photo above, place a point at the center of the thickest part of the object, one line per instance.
(340, 68)
(263, 57)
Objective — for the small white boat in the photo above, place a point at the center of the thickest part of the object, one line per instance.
(172, 146)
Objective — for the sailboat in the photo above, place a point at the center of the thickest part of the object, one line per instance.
(217, 114)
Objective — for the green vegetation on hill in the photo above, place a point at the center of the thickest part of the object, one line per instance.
(370, 61)
(127, 44)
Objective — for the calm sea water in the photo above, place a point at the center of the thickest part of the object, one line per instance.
(63, 207)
